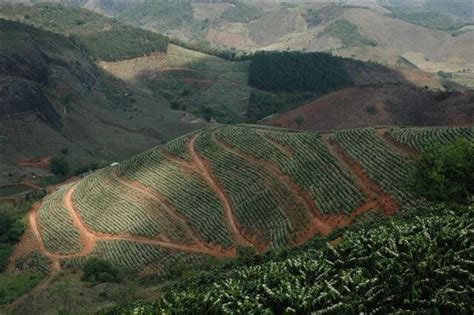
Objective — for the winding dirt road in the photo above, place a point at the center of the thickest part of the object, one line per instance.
(370, 188)
(320, 223)
(89, 237)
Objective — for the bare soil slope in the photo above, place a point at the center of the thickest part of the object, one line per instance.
(375, 106)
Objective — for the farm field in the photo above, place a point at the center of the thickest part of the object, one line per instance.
(214, 191)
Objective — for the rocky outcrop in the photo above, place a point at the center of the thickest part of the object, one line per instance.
(19, 96)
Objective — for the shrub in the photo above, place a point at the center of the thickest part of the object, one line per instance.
(445, 173)
(59, 166)
(11, 228)
(175, 105)
(98, 270)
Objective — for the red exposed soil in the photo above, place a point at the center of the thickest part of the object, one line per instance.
(205, 170)
(320, 223)
(31, 185)
(367, 106)
(188, 166)
(171, 210)
(89, 237)
(367, 185)
(401, 148)
(325, 223)
(38, 162)
(303, 198)
(377, 199)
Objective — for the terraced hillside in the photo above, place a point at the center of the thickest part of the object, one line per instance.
(215, 190)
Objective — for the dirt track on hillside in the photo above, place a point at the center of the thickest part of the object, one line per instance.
(303, 198)
(396, 146)
(321, 223)
(376, 199)
(205, 170)
(173, 212)
(89, 237)
(370, 188)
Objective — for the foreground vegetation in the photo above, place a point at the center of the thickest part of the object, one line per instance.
(14, 286)
(419, 261)
(12, 226)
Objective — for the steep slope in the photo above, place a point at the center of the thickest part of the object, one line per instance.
(216, 190)
(58, 98)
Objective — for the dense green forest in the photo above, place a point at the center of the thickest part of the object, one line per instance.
(292, 77)
(298, 72)
(418, 261)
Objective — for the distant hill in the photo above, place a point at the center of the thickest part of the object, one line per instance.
(389, 105)
(55, 97)
(231, 91)
(439, 33)
(211, 192)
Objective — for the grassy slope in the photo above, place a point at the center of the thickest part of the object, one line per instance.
(191, 79)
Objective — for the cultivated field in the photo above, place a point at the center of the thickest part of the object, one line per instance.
(210, 192)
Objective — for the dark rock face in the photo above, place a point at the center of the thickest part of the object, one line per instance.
(18, 96)
(32, 66)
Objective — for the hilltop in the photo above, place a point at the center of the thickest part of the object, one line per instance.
(184, 201)
(213, 194)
